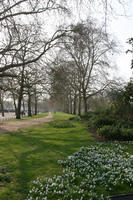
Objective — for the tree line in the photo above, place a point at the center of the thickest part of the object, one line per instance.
(69, 65)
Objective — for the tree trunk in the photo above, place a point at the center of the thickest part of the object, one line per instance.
(67, 105)
(19, 103)
(75, 104)
(85, 102)
(29, 104)
(2, 105)
(18, 116)
(79, 104)
(70, 104)
(14, 102)
(36, 105)
(23, 107)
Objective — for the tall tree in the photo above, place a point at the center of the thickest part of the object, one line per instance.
(130, 42)
(13, 20)
(89, 47)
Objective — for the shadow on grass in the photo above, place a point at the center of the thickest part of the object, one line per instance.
(35, 152)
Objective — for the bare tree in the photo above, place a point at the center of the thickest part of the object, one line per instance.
(14, 8)
(12, 11)
(23, 43)
(12, 24)
(33, 86)
(89, 47)
(64, 89)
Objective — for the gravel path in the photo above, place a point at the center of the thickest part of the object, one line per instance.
(9, 126)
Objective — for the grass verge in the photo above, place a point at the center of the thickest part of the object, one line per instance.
(33, 117)
(32, 152)
(36, 116)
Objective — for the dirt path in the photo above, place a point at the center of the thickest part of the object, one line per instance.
(9, 126)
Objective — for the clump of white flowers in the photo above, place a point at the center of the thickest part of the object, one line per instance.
(85, 172)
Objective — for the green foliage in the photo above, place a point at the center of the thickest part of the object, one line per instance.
(116, 133)
(124, 123)
(98, 119)
(62, 124)
(99, 122)
(110, 126)
(88, 116)
(127, 134)
(122, 101)
(62, 116)
(110, 132)
(75, 118)
(5, 178)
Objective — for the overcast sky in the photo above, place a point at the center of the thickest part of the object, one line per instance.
(122, 28)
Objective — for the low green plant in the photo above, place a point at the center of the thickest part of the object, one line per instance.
(124, 123)
(116, 133)
(5, 178)
(75, 118)
(99, 122)
(108, 124)
(62, 124)
(91, 173)
(127, 134)
(110, 132)
(98, 119)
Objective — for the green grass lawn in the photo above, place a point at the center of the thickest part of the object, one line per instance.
(36, 116)
(32, 152)
(33, 117)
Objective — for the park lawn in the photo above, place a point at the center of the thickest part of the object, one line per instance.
(62, 116)
(33, 117)
(36, 116)
(32, 152)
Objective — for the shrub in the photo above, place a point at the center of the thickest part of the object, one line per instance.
(99, 122)
(101, 118)
(62, 124)
(84, 117)
(110, 125)
(127, 134)
(130, 123)
(124, 123)
(110, 132)
(5, 178)
(116, 133)
(75, 118)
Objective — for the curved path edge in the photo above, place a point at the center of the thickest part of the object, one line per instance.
(10, 126)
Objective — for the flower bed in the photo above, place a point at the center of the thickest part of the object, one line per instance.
(86, 173)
